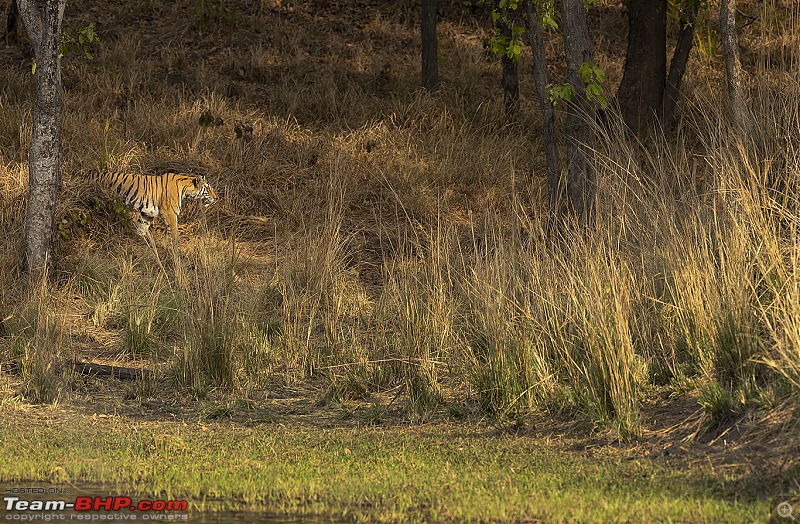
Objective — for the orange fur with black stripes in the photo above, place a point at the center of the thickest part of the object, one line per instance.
(153, 195)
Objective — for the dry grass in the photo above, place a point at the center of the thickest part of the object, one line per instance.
(371, 237)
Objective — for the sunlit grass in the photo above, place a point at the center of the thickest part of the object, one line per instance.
(397, 475)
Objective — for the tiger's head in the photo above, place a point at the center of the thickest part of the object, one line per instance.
(203, 191)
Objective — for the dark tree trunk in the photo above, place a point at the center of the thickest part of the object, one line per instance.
(510, 86)
(43, 26)
(677, 67)
(510, 76)
(643, 79)
(555, 182)
(430, 64)
(12, 15)
(733, 65)
(579, 131)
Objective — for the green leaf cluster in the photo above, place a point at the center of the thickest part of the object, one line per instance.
(593, 77)
(70, 225)
(560, 93)
(81, 43)
(547, 10)
(500, 42)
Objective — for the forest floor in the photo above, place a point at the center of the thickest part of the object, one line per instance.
(284, 453)
(356, 195)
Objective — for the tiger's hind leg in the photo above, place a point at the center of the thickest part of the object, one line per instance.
(143, 229)
(143, 225)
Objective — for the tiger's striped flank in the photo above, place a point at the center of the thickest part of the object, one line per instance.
(153, 195)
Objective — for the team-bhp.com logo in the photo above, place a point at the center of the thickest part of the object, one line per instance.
(14, 507)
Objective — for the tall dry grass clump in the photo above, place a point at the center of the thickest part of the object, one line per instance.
(321, 307)
(39, 345)
(541, 325)
(417, 315)
(713, 246)
(755, 355)
(211, 322)
(686, 277)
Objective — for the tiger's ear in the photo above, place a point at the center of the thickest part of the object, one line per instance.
(199, 180)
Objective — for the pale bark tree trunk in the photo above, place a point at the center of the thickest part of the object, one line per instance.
(643, 78)
(733, 65)
(430, 63)
(555, 182)
(579, 132)
(677, 67)
(43, 26)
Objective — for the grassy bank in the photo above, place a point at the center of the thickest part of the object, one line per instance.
(441, 472)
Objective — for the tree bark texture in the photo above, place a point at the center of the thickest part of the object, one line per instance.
(677, 67)
(510, 79)
(430, 59)
(44, 168)
(555, 182)
(733, 65)
(510, 86)
(643, 79)
(579, 132)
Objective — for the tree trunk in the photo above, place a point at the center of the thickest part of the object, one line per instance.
(44, 167)
(510, 75)
(430, 63)
(733, 66)
(555, 182)
(12, 14)
(510, 86)
(579, 132)
(643, 79)
(677, 67)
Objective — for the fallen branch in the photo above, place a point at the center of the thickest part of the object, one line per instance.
(88, 368)
(118, 372)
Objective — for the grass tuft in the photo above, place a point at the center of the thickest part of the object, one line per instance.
(39, 347)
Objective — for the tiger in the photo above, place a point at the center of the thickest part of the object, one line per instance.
(151, 195)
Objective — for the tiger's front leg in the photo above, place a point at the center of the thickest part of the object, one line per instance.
(172, 223)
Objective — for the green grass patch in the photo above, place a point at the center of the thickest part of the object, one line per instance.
(431, 473)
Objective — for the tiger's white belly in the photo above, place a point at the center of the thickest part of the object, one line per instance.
(150, 211)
